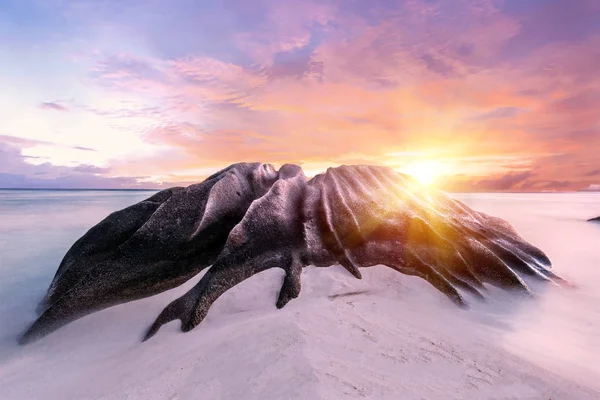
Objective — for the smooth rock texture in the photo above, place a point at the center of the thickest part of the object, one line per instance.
(249, 218)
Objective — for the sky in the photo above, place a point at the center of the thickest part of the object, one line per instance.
(474, 95)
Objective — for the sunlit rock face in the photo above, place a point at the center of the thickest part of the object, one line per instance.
(250, 217)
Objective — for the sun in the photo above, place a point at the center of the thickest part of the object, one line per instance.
(426, 172)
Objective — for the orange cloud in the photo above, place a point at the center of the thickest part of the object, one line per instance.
(329, 83)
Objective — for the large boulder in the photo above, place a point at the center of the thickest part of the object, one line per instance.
(249, 217)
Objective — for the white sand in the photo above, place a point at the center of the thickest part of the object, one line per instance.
(396, 339)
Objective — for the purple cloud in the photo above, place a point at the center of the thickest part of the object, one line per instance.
(15, 172)
(508, 182)
(91, 169)
(593, 172)
(500, 113)
(50, 105)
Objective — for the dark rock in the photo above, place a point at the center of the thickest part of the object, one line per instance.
(249, 217)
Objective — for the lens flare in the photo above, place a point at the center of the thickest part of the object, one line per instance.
(426, 172)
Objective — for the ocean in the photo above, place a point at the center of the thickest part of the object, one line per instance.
(558, 331)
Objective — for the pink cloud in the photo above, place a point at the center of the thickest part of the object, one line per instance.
(288, 26)
(368, 82)
(25, 143)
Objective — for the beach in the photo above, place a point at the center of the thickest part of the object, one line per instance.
(387, 336)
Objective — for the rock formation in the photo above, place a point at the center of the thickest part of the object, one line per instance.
(250, 217)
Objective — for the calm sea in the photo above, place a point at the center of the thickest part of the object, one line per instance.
(37, 227)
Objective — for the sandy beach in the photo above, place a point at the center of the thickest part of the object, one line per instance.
(387, 336)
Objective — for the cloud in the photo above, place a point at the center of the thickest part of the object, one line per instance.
(335, 97)
(510, 181)
(120, 67)
(91, 169)
(53, 106)
(25, 143)
(83, 148)
(499, 113)
(551, 21)
(22, 142)
(593, 172)
(506, 93)
(287, 26)
(592, 188)
(15, 172)
(70, 181)
(437, 65)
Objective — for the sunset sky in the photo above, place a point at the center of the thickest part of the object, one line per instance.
(485, 95)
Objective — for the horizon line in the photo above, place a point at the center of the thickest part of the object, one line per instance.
(159, 189)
